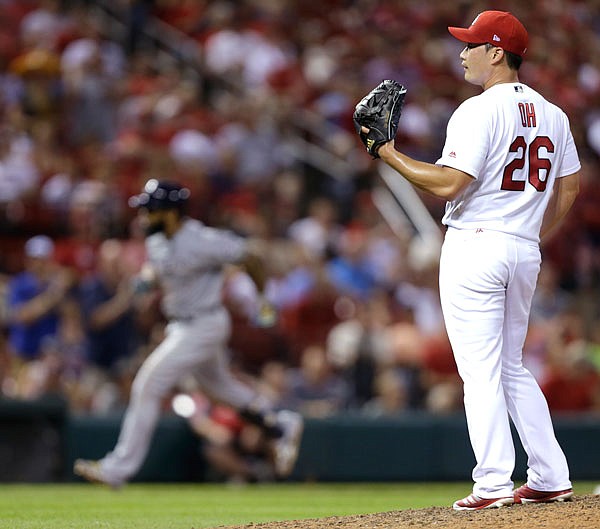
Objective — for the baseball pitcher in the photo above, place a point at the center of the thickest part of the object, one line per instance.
(509, 173)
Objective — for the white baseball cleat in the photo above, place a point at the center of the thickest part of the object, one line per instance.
(92, 471)
(525, 494)
(475, 503)
(287, 446)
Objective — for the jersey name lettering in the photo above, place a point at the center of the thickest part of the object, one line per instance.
(527, 112)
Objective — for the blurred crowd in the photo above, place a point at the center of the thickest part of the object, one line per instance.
(89, 114)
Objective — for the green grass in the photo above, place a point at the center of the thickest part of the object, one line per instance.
(187, 506)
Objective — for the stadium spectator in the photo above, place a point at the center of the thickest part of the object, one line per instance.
(358, 347)
(92, 67)
(34, 299)
(316, 390)
(350, 270)
(571, 381)
(19, 175)
(318, 232)
(107, 298)
(390, 396)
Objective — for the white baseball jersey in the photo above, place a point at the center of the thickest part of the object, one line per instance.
(514, 144)
(512, 181)
(189, 266)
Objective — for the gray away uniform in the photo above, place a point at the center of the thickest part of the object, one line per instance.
(189, 267)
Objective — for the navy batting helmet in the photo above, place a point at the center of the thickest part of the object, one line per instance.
(160, 194)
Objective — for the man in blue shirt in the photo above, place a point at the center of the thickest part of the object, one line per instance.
(34, 296)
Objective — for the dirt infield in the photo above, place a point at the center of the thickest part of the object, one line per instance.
(581, 513)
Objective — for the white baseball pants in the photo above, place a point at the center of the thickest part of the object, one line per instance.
(487, 281)
(193, 347)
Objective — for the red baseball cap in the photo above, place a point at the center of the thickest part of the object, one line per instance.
(499, 28)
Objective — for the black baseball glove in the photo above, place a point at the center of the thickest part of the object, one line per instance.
(379, 111)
